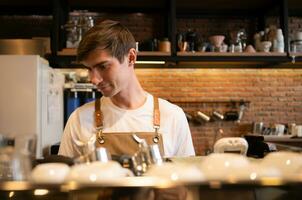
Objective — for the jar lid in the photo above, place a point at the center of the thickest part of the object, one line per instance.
(165, 39)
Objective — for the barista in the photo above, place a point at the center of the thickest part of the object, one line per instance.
(108, 52)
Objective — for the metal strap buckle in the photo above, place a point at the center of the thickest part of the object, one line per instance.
(156, 137)
(101, 137)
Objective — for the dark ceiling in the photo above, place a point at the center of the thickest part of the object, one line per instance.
(181, 5)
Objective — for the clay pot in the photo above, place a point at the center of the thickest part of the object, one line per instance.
(250, 49)
(216, 40)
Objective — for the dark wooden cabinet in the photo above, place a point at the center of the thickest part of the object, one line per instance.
(170, 15)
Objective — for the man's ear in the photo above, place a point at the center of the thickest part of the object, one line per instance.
(132, 56)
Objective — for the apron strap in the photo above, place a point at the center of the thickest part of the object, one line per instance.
(98, 115)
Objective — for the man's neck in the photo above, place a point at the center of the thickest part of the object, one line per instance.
(132, 98)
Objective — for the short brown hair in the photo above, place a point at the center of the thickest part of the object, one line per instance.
(108, 35)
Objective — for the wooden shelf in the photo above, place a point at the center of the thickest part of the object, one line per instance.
(153, 53)
(73, 52)
(68, 52)
(229, 54)
(287, 138)
(286, 142)
(67, 58)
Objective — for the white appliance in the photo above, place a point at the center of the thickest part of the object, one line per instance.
(231, 145)
(31, 100)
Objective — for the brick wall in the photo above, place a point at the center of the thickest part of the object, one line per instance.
(143, 26)
(275, 96)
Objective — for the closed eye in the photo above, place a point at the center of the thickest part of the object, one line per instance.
(102, 66)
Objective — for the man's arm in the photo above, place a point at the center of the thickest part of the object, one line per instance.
(184, 139)
(67, 145)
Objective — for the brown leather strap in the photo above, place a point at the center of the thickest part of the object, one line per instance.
(98, 115)
(156, 114)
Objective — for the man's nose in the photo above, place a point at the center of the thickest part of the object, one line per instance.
(95, 78)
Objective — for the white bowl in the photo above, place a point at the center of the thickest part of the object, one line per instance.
(265, 46)
(289, 163)
(50, 173)
(225, 167)
(98, 172)
(256, 172)
(176, 172)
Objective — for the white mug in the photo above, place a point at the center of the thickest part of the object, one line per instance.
(297, 131)
(280, 129)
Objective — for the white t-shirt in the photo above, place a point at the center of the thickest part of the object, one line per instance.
(174, 127)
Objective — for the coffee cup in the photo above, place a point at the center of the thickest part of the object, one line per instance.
(265, 46)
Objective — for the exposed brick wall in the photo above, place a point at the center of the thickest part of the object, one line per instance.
(143, 26)
(275, 96)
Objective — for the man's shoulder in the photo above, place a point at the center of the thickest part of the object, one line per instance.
(167, 106)
(87, 107)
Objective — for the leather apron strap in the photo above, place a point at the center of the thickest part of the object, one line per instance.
(123, 142)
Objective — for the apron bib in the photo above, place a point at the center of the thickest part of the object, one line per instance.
(123, 143)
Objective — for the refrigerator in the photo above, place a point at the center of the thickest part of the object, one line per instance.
(31, 101)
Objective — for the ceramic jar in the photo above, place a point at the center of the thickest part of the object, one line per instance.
(164, 45)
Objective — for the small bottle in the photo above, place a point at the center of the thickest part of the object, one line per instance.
(257, 41)
(278, 43)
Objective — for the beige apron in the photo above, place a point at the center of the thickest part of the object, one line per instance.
(122, 143)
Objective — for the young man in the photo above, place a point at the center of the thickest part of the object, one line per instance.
(108, 51)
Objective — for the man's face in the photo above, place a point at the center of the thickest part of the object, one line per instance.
(106, 72)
